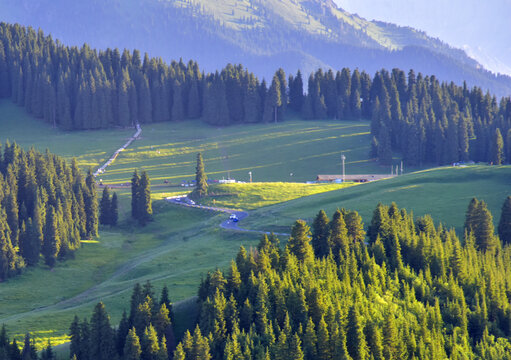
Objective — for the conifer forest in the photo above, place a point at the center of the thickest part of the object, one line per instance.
(259, 265)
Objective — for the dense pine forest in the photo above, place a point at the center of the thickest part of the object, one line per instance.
(46, 207)
(81, 88)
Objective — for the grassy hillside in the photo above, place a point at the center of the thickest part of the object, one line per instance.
(252, 196)
(442, 192)
(91, 148)
(287, 151)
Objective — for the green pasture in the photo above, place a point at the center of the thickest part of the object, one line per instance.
(250, 196)
(291, 151)
(91, 148)
(442, 192)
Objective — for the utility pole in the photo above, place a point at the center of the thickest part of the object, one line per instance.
(343, 158)
(401, 168)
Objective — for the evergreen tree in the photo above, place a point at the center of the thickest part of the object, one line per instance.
(357, 345)
(201, 180)
(390, 337)
(150, 344)
(102, 340)
(52, 239)
(339, 241)
(105, 208)
(505, 222)
(135, 195)
(91, 205)
(121, 334)
(384, 146)
(296, 97)
(132, 350)
(471, 222)
(321, 234)
(144, 202)
(29, 351)
(484, 232)
(497, 149)
(299, 241)
(355, 226)
(114, 212)
(273, 101)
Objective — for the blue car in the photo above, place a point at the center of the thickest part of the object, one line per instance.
(233, 218)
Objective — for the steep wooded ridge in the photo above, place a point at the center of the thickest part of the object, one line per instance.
(263, 35)
(80, 88)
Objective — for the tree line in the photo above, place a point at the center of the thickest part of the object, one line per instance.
(46, 207)
(81, 88)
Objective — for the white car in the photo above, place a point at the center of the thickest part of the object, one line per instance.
(233, 218)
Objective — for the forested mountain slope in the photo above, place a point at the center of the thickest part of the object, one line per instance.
(263, 35)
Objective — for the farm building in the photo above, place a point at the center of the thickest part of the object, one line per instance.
(354, 178)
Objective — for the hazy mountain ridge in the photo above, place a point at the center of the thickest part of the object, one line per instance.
(261, 34)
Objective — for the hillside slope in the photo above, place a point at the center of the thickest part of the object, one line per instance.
(261, 34)
(443, 192)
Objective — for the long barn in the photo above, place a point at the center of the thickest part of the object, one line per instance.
(355, 178)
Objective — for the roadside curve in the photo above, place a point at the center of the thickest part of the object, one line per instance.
(226, 224)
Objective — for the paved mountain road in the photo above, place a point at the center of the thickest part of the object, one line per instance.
(227, 224)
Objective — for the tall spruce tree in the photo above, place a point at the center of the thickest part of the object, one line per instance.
(144, 202)
(299, 241)
(201, 180)
(321, 234)
(114, 211)
(52, 238)
(104, 208)
(102, 340)
(91, 205)
(132, 349)
(484, 232)
(505, 222)
(497, 148)
(135, 195)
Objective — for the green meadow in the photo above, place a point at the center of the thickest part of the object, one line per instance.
(442, 192)
(91, 148)
(182, 244)
(250, 196)
(291, 151)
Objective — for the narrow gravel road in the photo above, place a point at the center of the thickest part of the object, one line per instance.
(226, 224)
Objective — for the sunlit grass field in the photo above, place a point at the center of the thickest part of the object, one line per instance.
(91, 148)
(291, 151)
(442, 192)
(250, 196)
